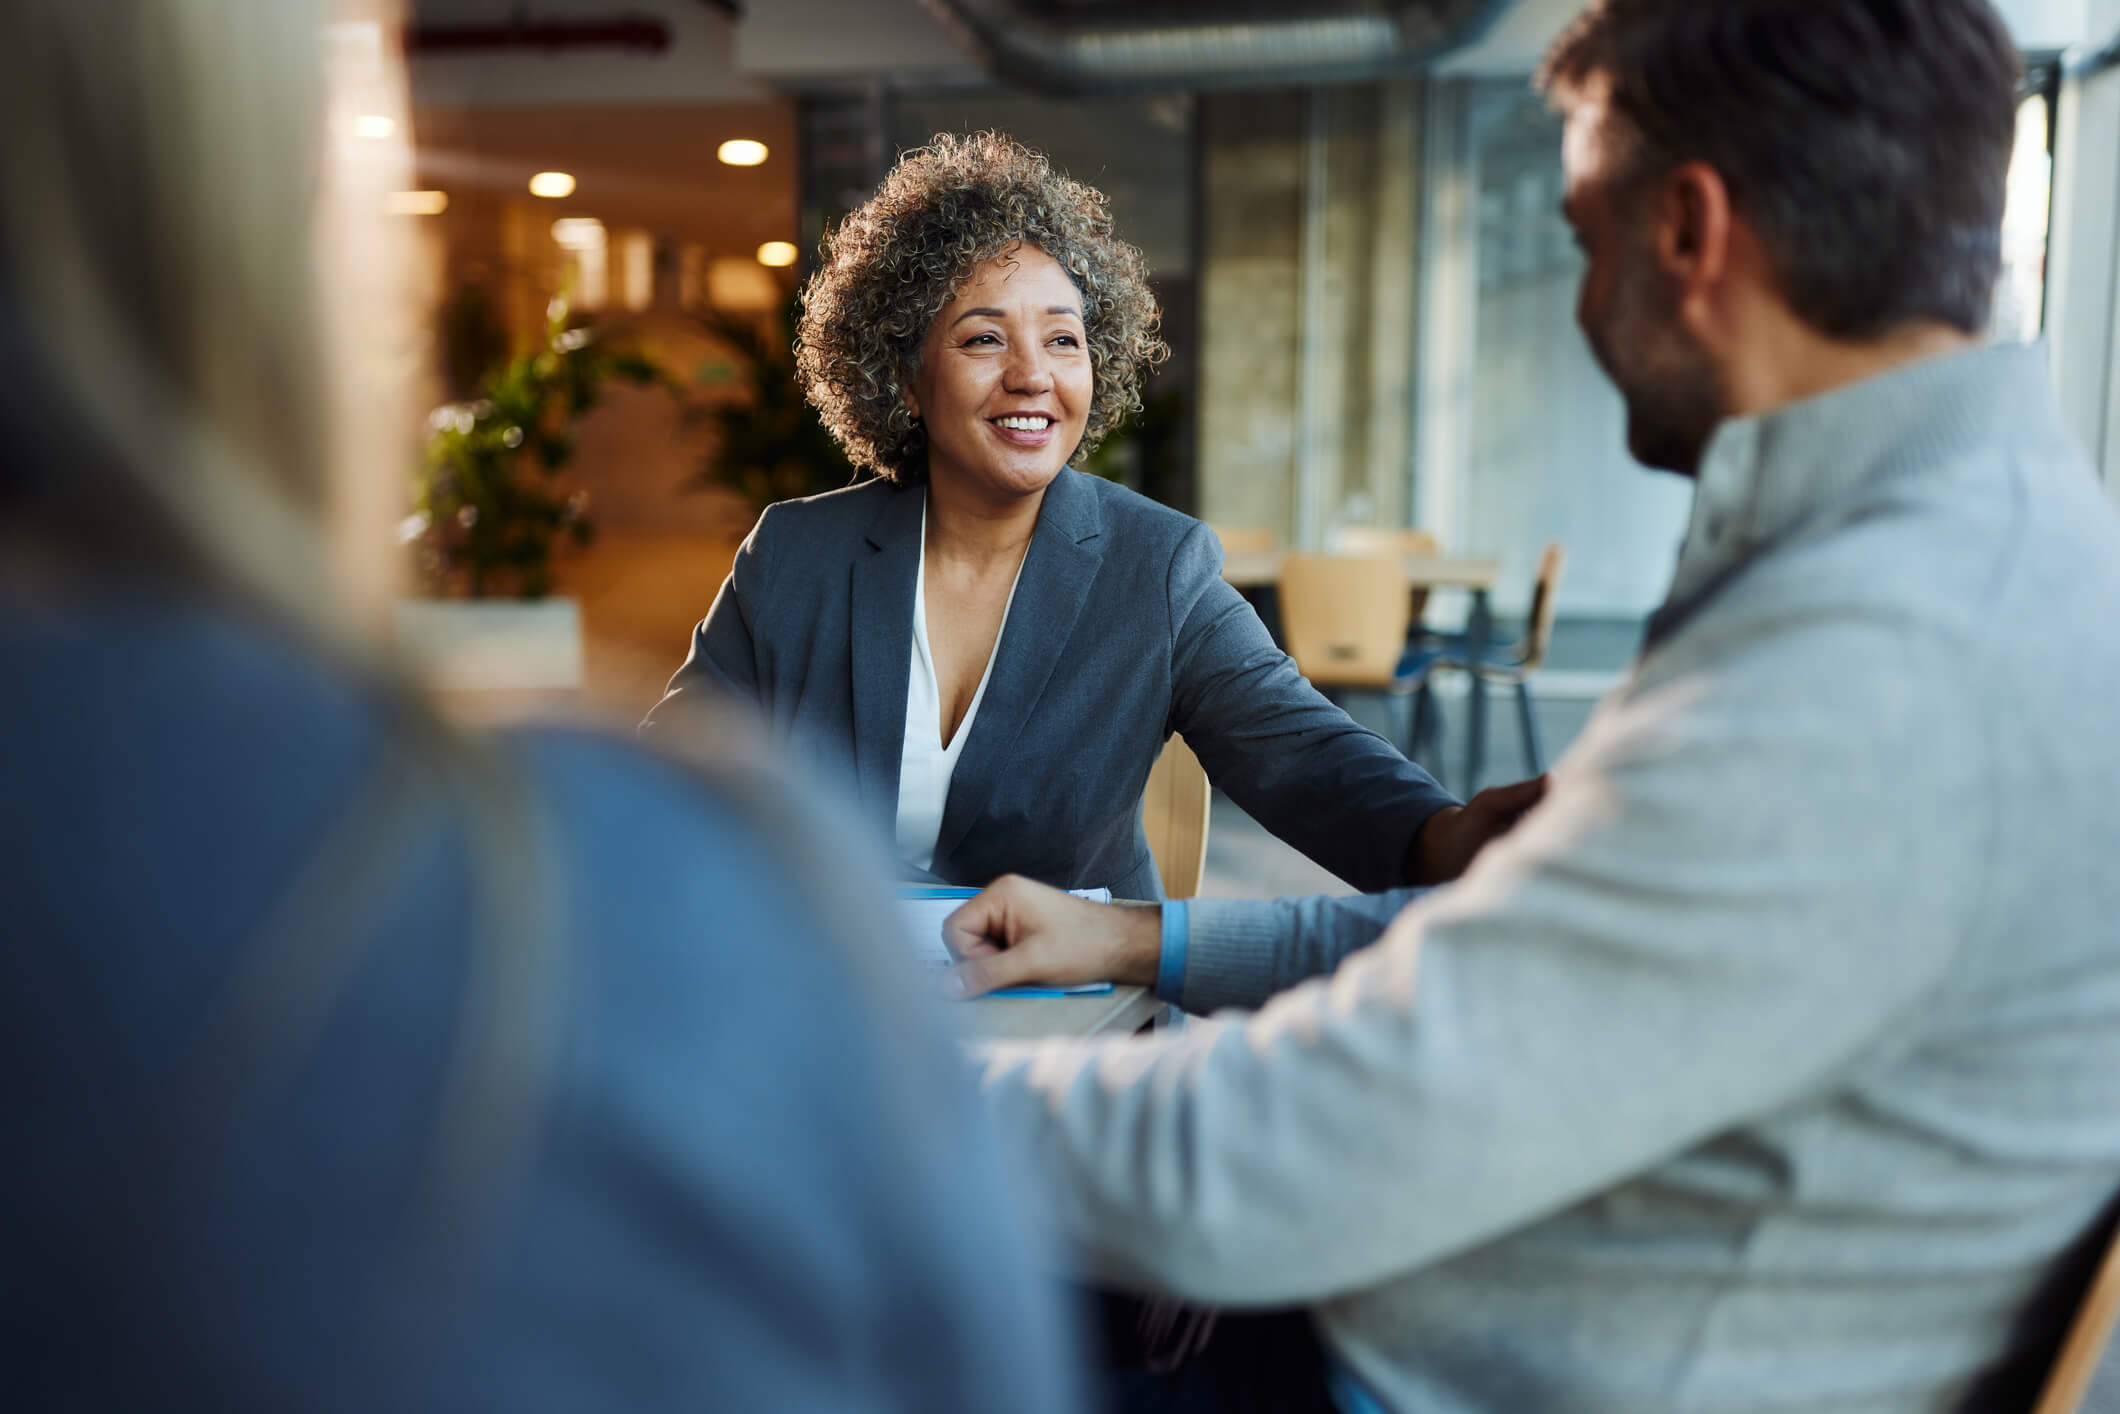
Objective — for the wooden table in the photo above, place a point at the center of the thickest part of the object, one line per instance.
(1478, 573)
(1261, 570)
(1119, 1012)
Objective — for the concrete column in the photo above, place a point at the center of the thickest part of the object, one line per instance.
(1252, 153)
(1320, 351)
(1308, 307)
(1394, 305)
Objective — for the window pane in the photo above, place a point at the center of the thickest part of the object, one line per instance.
(2020, 297)
(1549, 439)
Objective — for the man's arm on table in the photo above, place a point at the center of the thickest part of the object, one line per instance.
(1201, 955)
(1717, 911)
(1204, 954)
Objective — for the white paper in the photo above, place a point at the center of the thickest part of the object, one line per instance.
(924, 918)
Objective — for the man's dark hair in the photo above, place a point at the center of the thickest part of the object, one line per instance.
(1867, 141)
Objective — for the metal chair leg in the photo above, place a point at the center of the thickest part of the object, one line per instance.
(1534, 753)
(1475, 735)
(1420, 732)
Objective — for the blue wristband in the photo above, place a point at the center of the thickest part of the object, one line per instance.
(1170, 968)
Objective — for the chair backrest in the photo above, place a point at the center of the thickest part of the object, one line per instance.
(1246, 539)
(1174, 811)
(1381, 540)
(1387, 540)
(1344, 617)
(1545, 594)
(2088, 1335)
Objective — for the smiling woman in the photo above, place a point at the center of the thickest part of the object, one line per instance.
(996, 645)
(945, 212)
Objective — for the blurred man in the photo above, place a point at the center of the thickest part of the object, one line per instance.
(1770, 1062)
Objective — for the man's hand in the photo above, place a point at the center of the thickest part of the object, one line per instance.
(1021, 934)
(1445, 846)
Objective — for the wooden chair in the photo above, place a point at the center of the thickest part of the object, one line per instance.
(2088, 1335)
(1512, 667)
(1344, 619)
(1174, 811)
(1386, 540)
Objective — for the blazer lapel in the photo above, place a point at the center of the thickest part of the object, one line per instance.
(1058, 571)
(882, 619)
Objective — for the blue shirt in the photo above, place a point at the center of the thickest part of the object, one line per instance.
(290, 1125)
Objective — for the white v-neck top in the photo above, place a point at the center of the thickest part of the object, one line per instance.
(925, 765)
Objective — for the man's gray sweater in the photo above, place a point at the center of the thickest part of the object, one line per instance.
(1774, 1061)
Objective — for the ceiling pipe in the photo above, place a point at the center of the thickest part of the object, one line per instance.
(1079, 49)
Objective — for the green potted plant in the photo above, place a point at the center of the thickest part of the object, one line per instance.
(1141, 453)
(490, 508)
(767, 443)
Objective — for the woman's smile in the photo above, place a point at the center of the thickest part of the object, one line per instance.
(1025, 429)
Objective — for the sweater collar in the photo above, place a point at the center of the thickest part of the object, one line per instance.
(1766, 479)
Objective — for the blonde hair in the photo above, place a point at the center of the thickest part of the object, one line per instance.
(190, 403)
(164, 195)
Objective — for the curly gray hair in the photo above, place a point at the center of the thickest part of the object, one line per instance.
(891, 267)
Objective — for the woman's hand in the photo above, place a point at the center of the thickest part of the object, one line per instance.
(1453, 835)
(1019, 934)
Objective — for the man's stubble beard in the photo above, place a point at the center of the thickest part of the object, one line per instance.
(1667, 381)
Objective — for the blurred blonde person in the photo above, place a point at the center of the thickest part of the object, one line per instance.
(352, 1063)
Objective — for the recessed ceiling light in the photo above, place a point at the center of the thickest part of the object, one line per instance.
(777, 253)
(741, 152)
(552, 184)
(416, 203)
(374, 125)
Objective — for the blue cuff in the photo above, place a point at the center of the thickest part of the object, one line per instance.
(1170, 968)
(1349, 1394)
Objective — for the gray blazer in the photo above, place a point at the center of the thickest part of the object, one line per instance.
(1122, 632)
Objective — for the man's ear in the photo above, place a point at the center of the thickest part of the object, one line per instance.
(1693, 230)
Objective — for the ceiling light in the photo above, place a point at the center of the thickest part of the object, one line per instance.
(741, 152)
(374, 125)
(552, 184)
(777, 253)
(416, 203)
